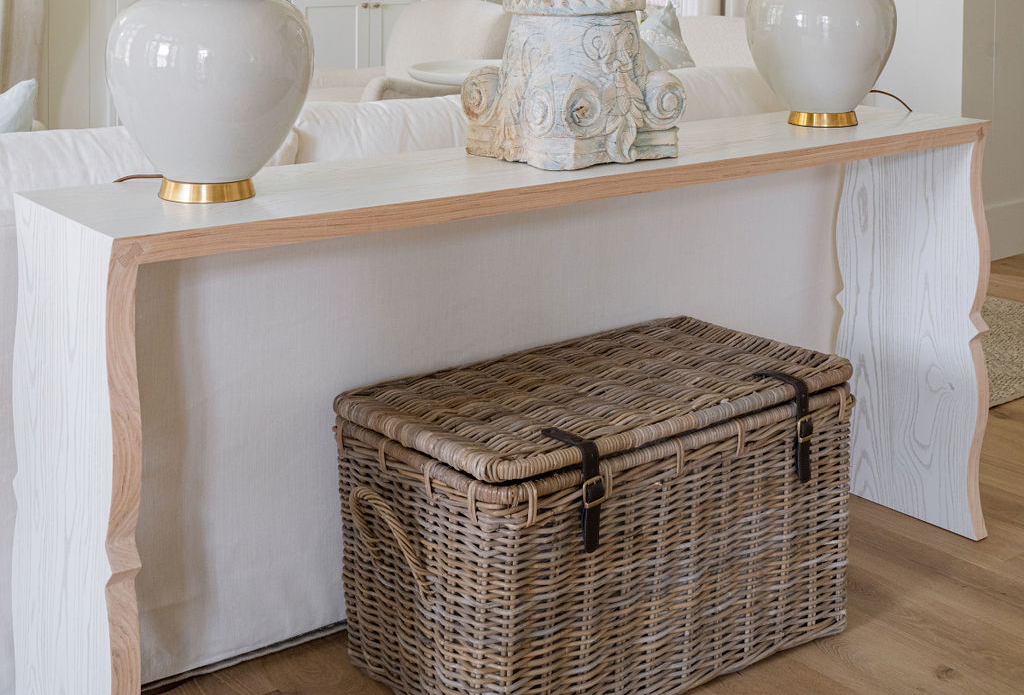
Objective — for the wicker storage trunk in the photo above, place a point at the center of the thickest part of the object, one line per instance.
(629, 513)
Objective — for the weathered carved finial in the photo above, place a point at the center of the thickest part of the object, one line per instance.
(573, 90)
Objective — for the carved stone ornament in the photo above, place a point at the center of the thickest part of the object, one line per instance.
(573, 90)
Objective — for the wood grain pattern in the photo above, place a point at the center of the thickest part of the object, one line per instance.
(331, 199)
(979, 326)
(914, 266)
(65, 448)
(126, 420)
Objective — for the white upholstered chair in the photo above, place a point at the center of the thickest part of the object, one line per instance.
(425, 31)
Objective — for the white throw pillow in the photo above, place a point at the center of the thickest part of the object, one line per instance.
(17, 106)
(661, 35)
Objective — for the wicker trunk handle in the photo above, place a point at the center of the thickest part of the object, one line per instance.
(363, 496)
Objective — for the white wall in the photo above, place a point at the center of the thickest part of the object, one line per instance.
(967, 57)
(926, 67)
(993, 89)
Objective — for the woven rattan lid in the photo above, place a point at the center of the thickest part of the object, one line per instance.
(623, 389)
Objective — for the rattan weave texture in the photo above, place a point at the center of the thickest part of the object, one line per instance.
(713, 554)
(623, 389)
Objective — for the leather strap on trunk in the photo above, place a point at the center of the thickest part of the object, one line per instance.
(804, 423)
(593, 493)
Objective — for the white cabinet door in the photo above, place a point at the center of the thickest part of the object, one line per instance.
(341, 32)
(382, 19)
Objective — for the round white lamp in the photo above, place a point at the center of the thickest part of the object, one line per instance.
(209, 88)
(821, 57)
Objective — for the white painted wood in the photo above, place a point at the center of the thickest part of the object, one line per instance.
(351, 33)
(72, 79)
(911, 262)
(993, 55)
(64, 447)
(133, 209)
(341, 31)
(383, 15)
(69, 55)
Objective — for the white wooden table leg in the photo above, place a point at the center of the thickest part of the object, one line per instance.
(914, 255)
(75, 619)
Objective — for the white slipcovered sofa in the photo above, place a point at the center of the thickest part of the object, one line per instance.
(222, 553)
(457, 29)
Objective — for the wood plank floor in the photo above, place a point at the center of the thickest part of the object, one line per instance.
(929, 612)
(1008, 279)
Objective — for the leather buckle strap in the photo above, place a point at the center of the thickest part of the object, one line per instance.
(804, 422)
(593, 493)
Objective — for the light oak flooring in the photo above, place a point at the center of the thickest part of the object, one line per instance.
(1008, 279)
(929, 612)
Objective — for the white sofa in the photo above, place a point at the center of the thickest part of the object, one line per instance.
(424, 31)
(216, 578)
(454, 29)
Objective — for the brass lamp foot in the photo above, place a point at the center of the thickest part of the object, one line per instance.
(823, 120)
(179, 192)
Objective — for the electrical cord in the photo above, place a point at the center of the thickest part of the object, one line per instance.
(888, 94)
(138, 176)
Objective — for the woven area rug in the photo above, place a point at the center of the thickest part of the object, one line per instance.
(1004, 349)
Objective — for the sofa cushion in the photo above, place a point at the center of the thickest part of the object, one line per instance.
(17, 106)
(59, 158)
(335, 130)
(325, 77)
(381, 88)
(349, 94)
(724, 92)
(287, 152)
(716, 41)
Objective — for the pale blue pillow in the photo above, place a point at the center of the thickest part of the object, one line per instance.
(17, 107)
(663, 38)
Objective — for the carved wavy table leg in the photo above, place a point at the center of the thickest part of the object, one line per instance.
(914, 255)
(78, 445)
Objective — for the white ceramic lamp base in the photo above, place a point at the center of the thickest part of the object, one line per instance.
(821, 57)
(209, 89)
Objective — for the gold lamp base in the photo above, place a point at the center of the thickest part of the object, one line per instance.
(179, 192)
(823, 120)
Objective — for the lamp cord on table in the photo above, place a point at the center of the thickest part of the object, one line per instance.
(888, 94)
(138, 176)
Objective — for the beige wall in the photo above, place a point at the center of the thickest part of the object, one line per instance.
(72, 85)
(993, 86)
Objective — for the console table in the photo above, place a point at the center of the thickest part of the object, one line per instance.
(912, 251)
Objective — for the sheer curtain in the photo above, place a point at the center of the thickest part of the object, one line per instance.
(21, 40)
(729, 8)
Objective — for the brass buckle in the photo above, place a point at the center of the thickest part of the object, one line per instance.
(596, 480)
(800, 436)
